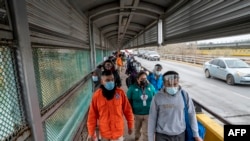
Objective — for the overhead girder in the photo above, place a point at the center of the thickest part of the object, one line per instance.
(152, 8)
(183, 20)
(112, 26)
(128, 9)
(137, 12)
(129, 32)
(121, 8)
(111, 33)
(121, 36)
(134, 32)
(112, 37)
(115, 36)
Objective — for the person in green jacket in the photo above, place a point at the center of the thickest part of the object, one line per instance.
(140, 96)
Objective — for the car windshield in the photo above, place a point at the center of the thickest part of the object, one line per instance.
(152, 52)
(236, 64)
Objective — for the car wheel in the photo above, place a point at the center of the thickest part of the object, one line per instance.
(230, 79)
(207, 74)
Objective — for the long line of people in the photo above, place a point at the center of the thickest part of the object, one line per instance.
(152, 106)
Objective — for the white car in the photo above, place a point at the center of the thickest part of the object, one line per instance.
(153, 56)
(232, 70)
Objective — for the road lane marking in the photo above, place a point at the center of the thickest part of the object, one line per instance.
(241, 95)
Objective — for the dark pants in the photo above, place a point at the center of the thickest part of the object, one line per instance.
(164, 137)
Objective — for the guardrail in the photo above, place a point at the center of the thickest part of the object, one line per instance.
(198, 59)
(199, 107)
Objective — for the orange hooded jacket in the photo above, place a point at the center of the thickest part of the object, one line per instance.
(119, 61)
(109, 114)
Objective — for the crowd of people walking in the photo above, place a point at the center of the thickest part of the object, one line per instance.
(152, 106)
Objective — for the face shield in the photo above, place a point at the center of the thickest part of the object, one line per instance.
(157, 70)
(171, 79)
(171, 84)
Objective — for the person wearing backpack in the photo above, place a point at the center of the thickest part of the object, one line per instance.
(166, 120)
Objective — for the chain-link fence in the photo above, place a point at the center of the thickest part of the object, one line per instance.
(99, 56)
(57, 70)
(64, 122)
(11, 109)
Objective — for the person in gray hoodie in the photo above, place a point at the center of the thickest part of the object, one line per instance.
(166, 121)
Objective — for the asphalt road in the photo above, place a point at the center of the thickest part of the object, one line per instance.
(230, 102)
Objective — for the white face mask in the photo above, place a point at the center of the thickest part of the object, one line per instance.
(95, 78)
(171, 90)
(138, 69)
(158, 72)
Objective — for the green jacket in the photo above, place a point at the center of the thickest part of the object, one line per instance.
(135, 97)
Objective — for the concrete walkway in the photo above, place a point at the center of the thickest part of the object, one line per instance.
(126, 135)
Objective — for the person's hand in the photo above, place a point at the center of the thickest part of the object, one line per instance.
(130, 131)
(198, 139)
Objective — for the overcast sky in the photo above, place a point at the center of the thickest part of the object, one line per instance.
(227, 39)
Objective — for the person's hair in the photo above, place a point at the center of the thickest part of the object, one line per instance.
(171, 73)
(99, 66)
(107, 73)
(140, 74)
(158, 65)
(107, 61)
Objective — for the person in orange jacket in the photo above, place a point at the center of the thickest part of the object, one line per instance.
(108, 105)
(119, 63)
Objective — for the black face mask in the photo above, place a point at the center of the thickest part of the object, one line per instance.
(143, 83)
(108, 94)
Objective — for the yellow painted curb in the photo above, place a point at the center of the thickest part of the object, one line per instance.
(214, 131)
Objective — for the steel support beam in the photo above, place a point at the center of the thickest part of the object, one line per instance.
(26, 69)
(121, 26)
(114, 7)
(138, 12)
(114, 26)
(92, 45)
(135, 4)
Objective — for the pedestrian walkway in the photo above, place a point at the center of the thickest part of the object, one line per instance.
(124, 86)
(123, 77)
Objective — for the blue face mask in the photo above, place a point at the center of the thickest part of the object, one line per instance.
(171, 90)
(109, 85)
(95, 78)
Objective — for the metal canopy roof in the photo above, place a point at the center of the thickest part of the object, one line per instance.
(183, 20)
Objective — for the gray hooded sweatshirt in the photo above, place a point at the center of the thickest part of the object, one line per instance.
(166, 115)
